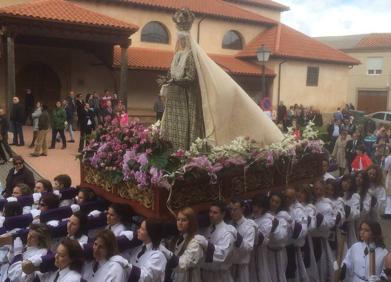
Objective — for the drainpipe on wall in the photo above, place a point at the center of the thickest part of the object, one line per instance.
(198, 28)
(279, 81)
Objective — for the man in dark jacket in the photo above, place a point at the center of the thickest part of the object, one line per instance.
(29, 105)
(18, 174)
(4, 147)
(87, 124)
(17, 120)
(41, 148)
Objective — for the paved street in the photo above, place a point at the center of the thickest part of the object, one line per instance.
(57, 162)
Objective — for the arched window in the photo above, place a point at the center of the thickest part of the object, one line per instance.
(232, 40)
(154, 32)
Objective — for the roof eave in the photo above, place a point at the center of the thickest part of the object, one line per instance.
(278, 56)
(281, 8)
(269, 22)
(129, 29)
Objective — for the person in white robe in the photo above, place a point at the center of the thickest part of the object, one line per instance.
(387, 172)
(77, 227)
(281, 232)
(259, 270)
(38, 240)
(306, 198)
(186, 247)
(107, 265)
(218, 243)
(296, 270)
(325, 220)
(244, 245)
(10, 209)
(386, 273)
(325, 168)
(69, 260)
(377, 192)
(148, 262)
(352, 209)
(333, 193)
(358, 260)
(118, 218)
(362, 185)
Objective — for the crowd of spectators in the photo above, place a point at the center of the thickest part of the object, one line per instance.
(73, 113)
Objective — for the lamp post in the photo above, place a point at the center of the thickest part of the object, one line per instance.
(263, 55)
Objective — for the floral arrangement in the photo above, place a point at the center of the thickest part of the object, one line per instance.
(139, 154)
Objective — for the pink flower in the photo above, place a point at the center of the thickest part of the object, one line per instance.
(180, 153)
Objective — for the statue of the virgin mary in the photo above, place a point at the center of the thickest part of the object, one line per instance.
(203, 101)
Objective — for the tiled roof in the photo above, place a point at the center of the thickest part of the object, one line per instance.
(62, 11)
(286, 42)
(375, 41)
(263, 3)
(214, 8)
(155, 59)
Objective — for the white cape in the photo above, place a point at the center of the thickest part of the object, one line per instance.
(227, 109)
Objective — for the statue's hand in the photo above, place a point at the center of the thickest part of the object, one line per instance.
(161, 79)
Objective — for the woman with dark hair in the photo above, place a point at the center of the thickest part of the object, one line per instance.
(107, 265)
(118, 218)
(325, 220)
(38, 244)
(306, 197)
(186, 247)
(357, 263)
(267, 224)
(43, 185)
(63, 182)
(69, 260)
(77, 227)
(48, 201)
(148, 262)
(352, 208)
(85, 195)
(276, 252)
(376, 191)
(333, 193)
(362, 185)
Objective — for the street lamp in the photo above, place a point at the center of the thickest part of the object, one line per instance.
(263, 55)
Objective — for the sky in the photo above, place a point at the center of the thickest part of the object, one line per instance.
(338, 17)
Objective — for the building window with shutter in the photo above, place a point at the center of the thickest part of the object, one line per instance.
(374, 65)
(312, 76)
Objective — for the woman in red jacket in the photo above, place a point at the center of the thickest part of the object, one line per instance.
(361, 161)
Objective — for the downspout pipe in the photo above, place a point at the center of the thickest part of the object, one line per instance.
(279, 81)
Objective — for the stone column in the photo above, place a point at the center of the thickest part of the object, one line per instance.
(11, 84)
(123, 84)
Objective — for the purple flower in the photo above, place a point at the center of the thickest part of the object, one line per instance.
(142, 159)
(269, 158)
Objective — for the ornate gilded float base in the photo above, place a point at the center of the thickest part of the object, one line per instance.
(96, 177)
(130, 191)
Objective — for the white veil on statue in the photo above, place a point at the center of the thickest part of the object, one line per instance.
(228, 111)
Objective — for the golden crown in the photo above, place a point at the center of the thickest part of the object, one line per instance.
(183, 18)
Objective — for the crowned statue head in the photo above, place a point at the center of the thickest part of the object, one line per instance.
(183, 18)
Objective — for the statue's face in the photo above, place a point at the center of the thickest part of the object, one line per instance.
(182, 42)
